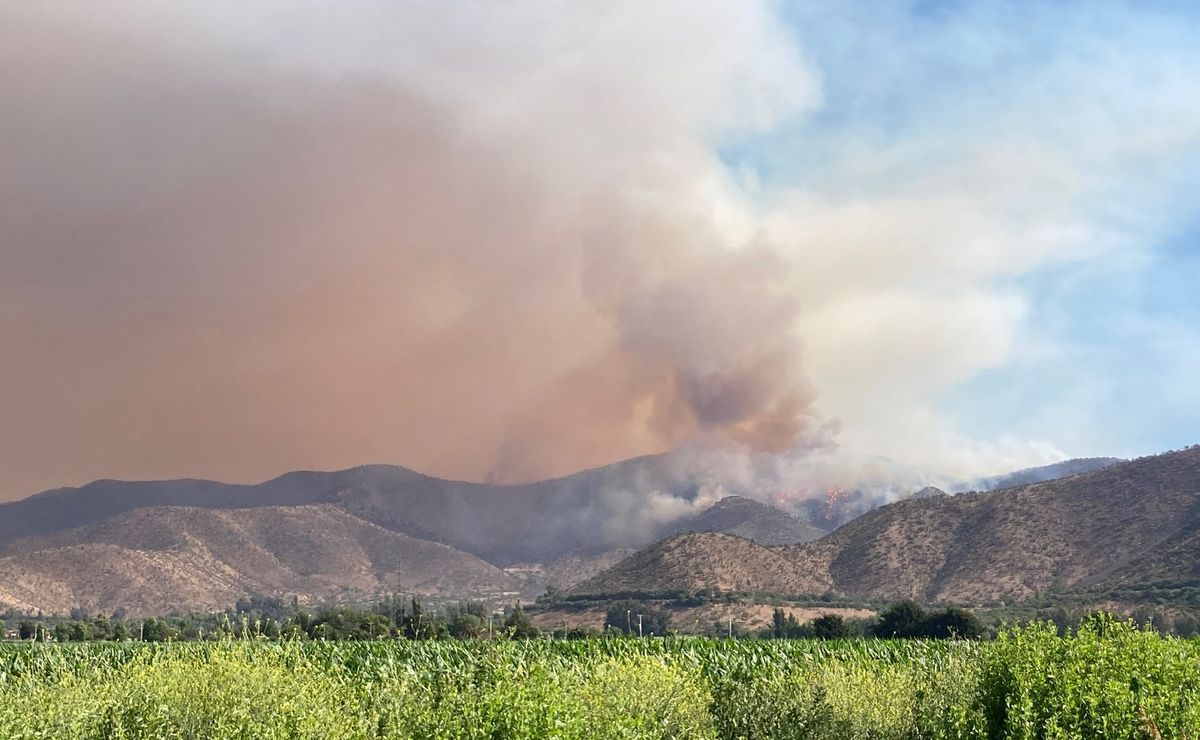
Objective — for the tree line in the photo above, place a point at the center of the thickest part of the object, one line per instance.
(902, 620)
(398, 617)
(270, 618)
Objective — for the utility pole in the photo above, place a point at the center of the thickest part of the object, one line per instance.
(628, 622)
(398, 607)
(731, 628)
(639, 625)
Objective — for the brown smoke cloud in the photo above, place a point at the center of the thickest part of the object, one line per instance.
(476, 252)
(499, 241)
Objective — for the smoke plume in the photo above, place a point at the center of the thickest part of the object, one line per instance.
(482, 241)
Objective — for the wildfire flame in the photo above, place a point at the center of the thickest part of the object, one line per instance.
(834, 494)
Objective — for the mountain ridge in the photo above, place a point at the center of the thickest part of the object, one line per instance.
(495, 540)
(497, 522)
(753, 520)
(342, 535)
(1108, 525)
(315, 552)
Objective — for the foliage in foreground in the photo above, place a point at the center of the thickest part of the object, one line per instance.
(1107, 681)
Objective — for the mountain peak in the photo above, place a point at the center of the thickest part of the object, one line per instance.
(753, 520)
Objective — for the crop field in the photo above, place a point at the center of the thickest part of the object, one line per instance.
(1107, 681)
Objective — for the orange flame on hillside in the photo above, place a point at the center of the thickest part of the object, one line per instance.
(834, 494)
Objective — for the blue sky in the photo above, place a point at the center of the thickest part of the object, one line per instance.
(1106, 355)
(1113, 361)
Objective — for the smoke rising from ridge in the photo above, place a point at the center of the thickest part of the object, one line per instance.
(486, 242)
(473, 256)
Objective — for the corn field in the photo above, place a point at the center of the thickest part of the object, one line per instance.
(1108, 680)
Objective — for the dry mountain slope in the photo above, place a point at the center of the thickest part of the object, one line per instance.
(159, 559)
(695, 561)
(163, 545)
(1040, 474)
(1129, 522)
(747, 518)
(1017, 542)
(155, 546)
(581, 515)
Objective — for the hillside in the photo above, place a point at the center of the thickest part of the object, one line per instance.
(161, 545)
(581, 515)
(1040, 474)
(160, 559)
(347, 535)
(750, 519)
(532, 579)
(1129, 522)
(691, 562)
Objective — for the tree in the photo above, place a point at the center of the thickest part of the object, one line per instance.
(577, 633)
(99, 628)
(466, 619)
(830, 627)
(785, 625)
(392, 607)
(120, 632)
(902, 619)
(953, 622)
(466, 626)
(348, 623)
(158, 630)
(793, 629)
(261, 606)
(80, 631)
(26, 630)
(519, 625)
(418, 625)
(298, 625)
(907, 619)
(1185, 625)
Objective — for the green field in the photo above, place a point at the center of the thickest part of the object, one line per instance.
(1108, 681)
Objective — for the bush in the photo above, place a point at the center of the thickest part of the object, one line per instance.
(1109, 680)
